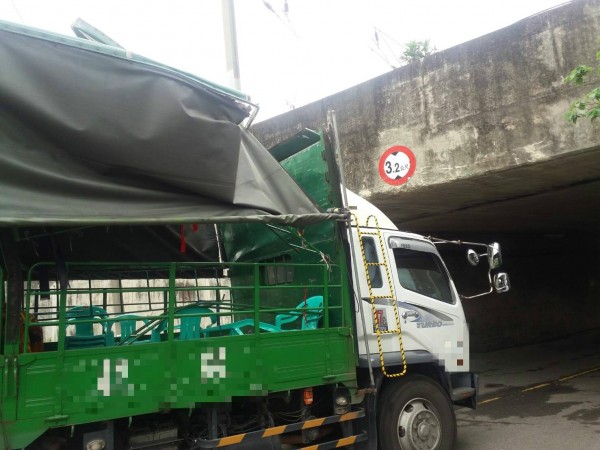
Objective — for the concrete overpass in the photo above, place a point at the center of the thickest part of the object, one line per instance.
(495, 159)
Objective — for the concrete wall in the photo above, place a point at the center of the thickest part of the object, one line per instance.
(483, 106)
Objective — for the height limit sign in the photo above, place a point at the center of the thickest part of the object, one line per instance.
(397, 165)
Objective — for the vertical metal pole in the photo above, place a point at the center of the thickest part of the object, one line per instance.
(326, 298)
(338, 157)
(27, 313)
(14, 290)
(213, 424)
(172, 302)
(62, 320)
(231, 51)
(256, 299)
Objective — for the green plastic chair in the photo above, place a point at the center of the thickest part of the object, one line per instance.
(309, 318)
(157, 330)
(84, 332)
(191, 327)
(129, 324)
(75, 342)
(245, 326)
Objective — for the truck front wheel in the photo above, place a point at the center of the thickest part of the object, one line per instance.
(415, 413)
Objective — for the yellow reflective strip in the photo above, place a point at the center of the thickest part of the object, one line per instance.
(346, 441)
(313, 423)
(229, 440)
(595, 369)
(489, 400)
(349, 416)
(312, 447)
(536, 387)
(274, 431)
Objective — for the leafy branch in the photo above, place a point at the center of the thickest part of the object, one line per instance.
(587, 106)
(416, 51)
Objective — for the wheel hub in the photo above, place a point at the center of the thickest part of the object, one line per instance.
(419, 427)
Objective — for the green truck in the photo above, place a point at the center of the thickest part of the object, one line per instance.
(167, 283)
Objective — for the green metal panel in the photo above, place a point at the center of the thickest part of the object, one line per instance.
(89, 385)
(62, 387)
(310, 162)
(312, 167)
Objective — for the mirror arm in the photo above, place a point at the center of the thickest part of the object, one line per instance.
(468, 297)
(436, 241)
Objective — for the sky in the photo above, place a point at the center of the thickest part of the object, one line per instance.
(287, 58)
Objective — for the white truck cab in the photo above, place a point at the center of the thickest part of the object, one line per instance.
(411, 329)
(404, 282)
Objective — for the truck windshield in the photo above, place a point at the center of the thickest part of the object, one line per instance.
(422, 272)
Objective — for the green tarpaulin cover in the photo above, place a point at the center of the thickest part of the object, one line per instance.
(92, 135)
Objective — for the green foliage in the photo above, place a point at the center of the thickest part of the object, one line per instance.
(587, 106)
(416, 51)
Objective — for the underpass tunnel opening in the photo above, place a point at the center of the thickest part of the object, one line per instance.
(555, 288)
(551, 251)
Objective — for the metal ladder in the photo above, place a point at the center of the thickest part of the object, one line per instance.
(372, 297)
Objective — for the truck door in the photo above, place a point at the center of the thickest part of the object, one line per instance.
(430, 310)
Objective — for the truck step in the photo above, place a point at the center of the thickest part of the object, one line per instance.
(460, 393)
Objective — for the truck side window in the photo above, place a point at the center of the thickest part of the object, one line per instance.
(423, 273)
(371, 256)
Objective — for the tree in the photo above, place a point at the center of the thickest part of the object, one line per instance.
(416, 51)
(587, 106)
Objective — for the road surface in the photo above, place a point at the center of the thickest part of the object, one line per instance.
(544, 396)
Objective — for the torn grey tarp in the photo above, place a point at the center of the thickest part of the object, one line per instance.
(91, 135)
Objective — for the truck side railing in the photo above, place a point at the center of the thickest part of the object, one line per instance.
(151, 303)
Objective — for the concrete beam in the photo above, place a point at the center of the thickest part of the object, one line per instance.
(484, 119)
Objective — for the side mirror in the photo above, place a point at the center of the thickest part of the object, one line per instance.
(494, 255)
(501, 282)
(472, 257)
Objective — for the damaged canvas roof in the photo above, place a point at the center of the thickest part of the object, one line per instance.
(92, 135)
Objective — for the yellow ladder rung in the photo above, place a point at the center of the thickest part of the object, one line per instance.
(396, 331)
(390, 297)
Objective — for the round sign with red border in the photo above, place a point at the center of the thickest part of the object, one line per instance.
(397, 165)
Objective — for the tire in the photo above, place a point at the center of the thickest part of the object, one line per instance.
(415, 413)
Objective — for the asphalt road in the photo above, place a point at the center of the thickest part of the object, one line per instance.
(544, 396)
